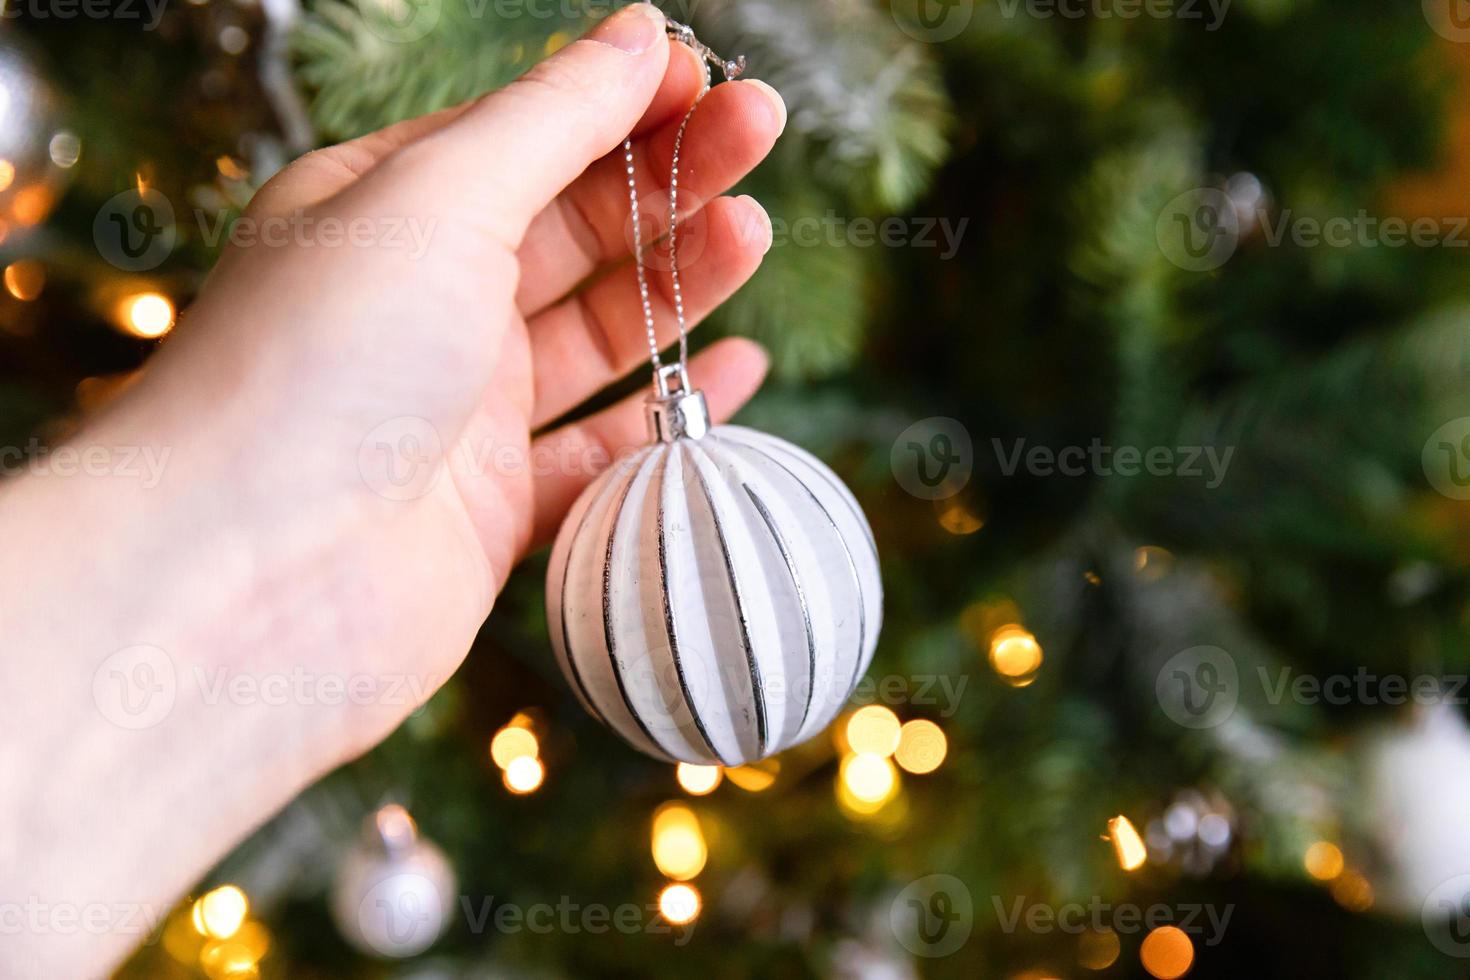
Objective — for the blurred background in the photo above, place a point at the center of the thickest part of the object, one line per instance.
(1139, 328)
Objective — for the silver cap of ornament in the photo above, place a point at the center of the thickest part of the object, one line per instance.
(674, 410)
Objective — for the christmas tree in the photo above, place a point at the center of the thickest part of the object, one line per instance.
(1138, 330)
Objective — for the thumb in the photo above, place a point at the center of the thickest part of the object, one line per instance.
(513, 152)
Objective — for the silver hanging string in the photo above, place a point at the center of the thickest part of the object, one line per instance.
(731, 70)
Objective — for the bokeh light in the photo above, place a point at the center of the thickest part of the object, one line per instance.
(25, 279)
(679, 904)
(865, 782)
(1323, 860)
(524, 775)
(1127, 843)
(220, 913)
(511, 743)
(873, 730)
(756, 777)
(1015, 655)
(1097, 949)
(698, 780)
(921, 746)
(147, 315)
(679, 849)
(1167, 953)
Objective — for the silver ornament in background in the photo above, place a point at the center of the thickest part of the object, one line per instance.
(715, 598)
(395, 892)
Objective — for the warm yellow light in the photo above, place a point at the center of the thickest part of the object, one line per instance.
(679, 850)
(870, 780)
(1323, 860)
(147, 315)
(1097, 949)
(1167, 952)
(756, 777)
(235, 958)
(1152, 563)
(221, 912)
(957, 518)
(25, 279)
(873, 730)
(698, 780)
(679, 904)
(1352, 891)
(1015, 655)
(524, 775)
(1129, 846)
(921, 746)
(511, 743)
(7, 174)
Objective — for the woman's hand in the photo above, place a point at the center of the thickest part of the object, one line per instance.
(353, 465)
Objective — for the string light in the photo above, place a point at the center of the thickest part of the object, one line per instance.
(678, 845)
(756, 777)
(514, 741)
(25, 279)
(1015, 655)
(147, 315)
(220, 913)
(921, 746)
(874, 730)
(1127, 844)
(524, 775)
(1097, 949)
(7, 174)
(679, 904)
(698, 780)
(865, 783)
(1323, 860)
(1167, 953)
(1353, 891)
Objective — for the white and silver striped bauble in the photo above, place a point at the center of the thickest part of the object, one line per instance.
(715, 598)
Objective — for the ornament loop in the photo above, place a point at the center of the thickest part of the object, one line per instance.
(675, 411)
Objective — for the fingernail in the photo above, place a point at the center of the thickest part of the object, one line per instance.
(633, 29)
(777, 104)
(764, 218)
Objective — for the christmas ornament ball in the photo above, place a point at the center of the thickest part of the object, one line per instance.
(715, 597)
(394, 893)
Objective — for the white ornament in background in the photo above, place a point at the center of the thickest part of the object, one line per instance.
(395, 892)
(714, 598)
(1419, 792)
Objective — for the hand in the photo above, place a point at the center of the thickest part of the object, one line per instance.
(278, 540)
